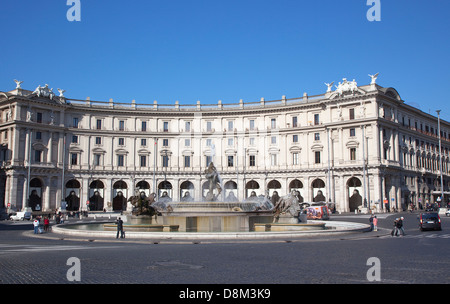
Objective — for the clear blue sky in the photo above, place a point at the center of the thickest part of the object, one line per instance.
(207, 50)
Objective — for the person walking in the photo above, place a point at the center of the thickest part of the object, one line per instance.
(119, 223)
(371, 222)
(394, 231)
(36, 226)
(400, 228)
(375, 223)
(46, 224)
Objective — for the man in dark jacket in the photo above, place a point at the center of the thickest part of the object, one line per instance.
(401, 231)
(119, 223)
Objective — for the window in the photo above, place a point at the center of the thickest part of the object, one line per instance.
(295, 138)
(99, 124)
(188, 126)
(75, 122)
(121, 125)
(74, 139)
(352, 153)
(38, 135)
(230, 125)
(120, 160)
(187, 161)
(273, 140)
(143, 142)
(166, 126)
(97, 159)
(165, 142)
(121, 141)
(208, 142)
(252, 161)
(295, 158)
(98, 140)
(165, 161)
(273, 159)
(252, 124)
(208, 126)
(73, 158)
(294, 121)
(208, 160)
(230, 141)
(252, 141)
(316, 136)
(230, 159)
(317, 157)
(316, 119)
(144, 126)
(37, 156)
(143, 160)
(39, 117)
(187, 142)
(352, 113)
(352, 132)
(273, 123)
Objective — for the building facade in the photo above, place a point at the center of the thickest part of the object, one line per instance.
(352, 146)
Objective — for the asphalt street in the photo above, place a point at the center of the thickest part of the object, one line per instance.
(417, 258)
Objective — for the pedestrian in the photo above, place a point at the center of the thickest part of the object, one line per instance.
(46, 224)
(400, 226)
(371, 222)
(375, 223)
(36, 226)
(394, 231)
(119, 223)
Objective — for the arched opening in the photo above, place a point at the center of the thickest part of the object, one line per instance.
(143, 186)
(274, 187)
(165, 190)
(120, 193)
(354, 187)
(35, 199)
(187, 191)
(297, 185)
(318, 187)
(252, 189)
(96, 194)
(73, 195)
(230, 191)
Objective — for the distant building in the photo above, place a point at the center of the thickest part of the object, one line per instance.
(354, 146)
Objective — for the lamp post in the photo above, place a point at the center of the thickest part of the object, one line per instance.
(440, 156)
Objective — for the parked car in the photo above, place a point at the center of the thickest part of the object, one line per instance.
(20, 216)
(429, 220)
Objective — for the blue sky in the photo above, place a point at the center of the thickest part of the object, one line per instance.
(191, 50)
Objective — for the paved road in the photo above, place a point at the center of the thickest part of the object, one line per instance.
(419, 257)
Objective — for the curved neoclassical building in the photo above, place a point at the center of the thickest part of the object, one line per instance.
(353, 146)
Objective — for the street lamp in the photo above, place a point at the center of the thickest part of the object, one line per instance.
(440, 156)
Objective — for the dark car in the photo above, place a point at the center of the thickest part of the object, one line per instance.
(429, 220)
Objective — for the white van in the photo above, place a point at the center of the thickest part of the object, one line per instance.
(20, 216)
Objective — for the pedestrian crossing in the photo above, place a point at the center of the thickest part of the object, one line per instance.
(419, 236)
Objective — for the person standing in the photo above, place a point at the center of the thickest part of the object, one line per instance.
(46, 224)
(119, 223)
(375, 223)
(36, 226)
(371, 222)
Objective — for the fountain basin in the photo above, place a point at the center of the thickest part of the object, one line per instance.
(289, 227)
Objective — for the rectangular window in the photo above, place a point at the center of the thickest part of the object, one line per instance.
(165, 161)
(295, 138)
(166, 126)
(317, 157)
(98, 140)
(295, 158)
(37, 156)
(73, 158)
(316, 119)
(230, 141)
(273, 140)
(38, 135)
(208, 126)
(75, 122)
(120, 160)
(252, 124)
(273, 123)
(187, 161)
(188, 126)
(121, 125)
(209, 142)
(121, 141)
(273, 159)
(352, 132)
(143, 142)
(252, 161)
(165, 142)
(294, 122)
(352, 153)
(230, 159)
(97, 159)
(143, 160)
(39, 117)
(144, 126)
(208, 160)
(99, 124)
(230, 125)
(252, 141)
(352, 113)
(187, 142)
(316, 136)
(74, 139)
